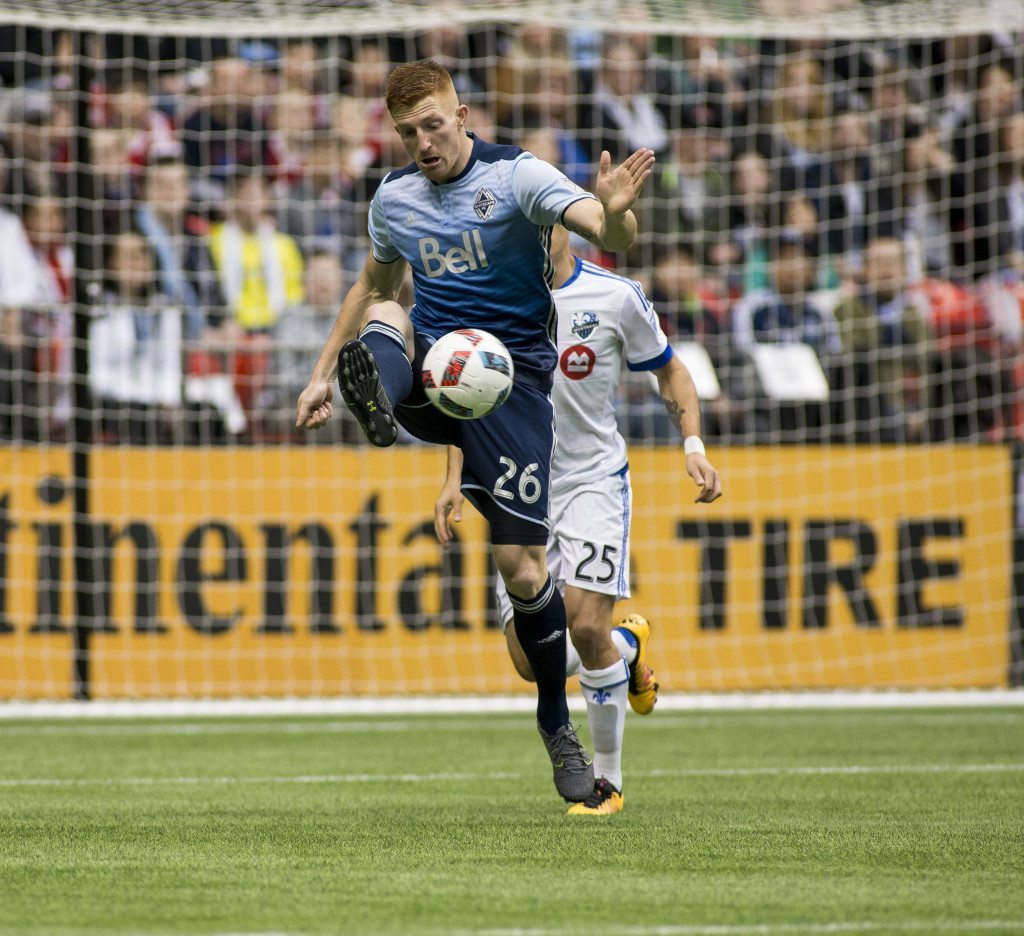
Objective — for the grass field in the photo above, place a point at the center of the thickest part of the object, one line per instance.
(736, 824)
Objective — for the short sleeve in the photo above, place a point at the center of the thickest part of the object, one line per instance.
(542, 192)
(380, 237)
(646, 345)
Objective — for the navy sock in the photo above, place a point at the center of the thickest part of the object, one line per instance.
(540, 627)
(388, 347)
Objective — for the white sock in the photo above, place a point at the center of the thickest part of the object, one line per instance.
(624, 647)
(572, 658)
(605, 693)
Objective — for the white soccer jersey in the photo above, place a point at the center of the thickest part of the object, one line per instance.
(603, 320)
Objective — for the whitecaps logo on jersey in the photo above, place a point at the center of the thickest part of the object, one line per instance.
(484, 204)
(584, 323)
(577, 362)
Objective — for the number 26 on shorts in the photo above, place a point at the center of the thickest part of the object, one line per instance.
(529, 487)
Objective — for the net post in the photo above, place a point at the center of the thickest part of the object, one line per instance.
(1016, 674)
(87, 264)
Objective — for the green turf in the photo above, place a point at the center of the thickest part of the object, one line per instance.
(734, 824)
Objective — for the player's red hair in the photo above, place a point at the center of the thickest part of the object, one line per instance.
(411, 83)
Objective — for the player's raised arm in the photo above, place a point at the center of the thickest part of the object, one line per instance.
(680, 397)
(608, 222)
(377, 282)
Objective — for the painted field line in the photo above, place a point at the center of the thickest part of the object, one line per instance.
(781, 719)
(454, 705)
(767, 929)
(451, 776)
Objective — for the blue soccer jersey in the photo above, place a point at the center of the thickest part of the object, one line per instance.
(479, 246)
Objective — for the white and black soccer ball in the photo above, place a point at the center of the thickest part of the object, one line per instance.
(467, 373)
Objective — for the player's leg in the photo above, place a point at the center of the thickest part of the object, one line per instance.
(506, 462)
(539, 615)
(604, 689)
(375, 373)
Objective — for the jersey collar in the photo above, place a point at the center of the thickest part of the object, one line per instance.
(575, 273)
(469, 165)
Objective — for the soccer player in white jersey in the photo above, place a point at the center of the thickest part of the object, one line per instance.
(474, 220)
(603, 321)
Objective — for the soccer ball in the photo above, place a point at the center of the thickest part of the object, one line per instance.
(467, 373)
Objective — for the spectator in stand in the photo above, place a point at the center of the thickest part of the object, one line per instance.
(260, 273)
(27, 116)
(712, 83)
(926, 202)
(177, 239)
(752, 211)
(368, 74)
(48, 326)
(135, 350)
(690, 198)
(127, 106)
(224, 131)
(321, 212)
(547, 103)
(521, 52)
(448, 45)
(880, 383)
(298, 336)
(621, 115)
(113, 176)
(982, 238)
(787, 312)
(678, 297)
(258, 266)
(20, 289)
(793, 132)
(862, 206)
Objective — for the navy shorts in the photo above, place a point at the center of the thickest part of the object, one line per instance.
(506, 455)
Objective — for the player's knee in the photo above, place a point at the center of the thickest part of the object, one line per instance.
(391, 313)
(587, 632)
(524, 570)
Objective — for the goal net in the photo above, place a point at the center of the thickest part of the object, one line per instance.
(833, 240)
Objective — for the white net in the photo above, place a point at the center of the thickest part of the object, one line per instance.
(833, 240)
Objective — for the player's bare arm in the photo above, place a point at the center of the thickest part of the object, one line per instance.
(608, 222)
(378, 282)
(680, 397)
(449, 501)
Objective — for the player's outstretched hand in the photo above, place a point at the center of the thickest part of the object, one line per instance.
(315, 406)
(448, 505)
(618, 188)
(704, 475)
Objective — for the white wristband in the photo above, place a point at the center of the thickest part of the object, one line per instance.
(692, 445)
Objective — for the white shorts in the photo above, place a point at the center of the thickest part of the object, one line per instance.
(589, 542)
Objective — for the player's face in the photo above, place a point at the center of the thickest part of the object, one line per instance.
(432, 132)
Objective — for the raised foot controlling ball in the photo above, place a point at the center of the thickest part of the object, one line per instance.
(467, 373)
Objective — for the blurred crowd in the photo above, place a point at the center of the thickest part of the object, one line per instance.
(864, 200)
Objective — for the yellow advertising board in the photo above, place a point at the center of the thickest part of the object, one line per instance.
(314, 571)
(35, 574)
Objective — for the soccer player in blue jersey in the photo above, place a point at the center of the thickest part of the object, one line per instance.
(474, 221)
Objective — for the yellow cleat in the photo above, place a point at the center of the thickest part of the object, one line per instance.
(604, 801)
(643, 690)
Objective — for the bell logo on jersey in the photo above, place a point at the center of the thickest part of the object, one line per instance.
(470, 257)
(583, 324)
(577, 362)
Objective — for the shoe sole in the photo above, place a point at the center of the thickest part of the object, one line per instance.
(640, 628)
(580, 810)
(361, 390)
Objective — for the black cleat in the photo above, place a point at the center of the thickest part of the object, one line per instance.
(573, 770)
(363, 394)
